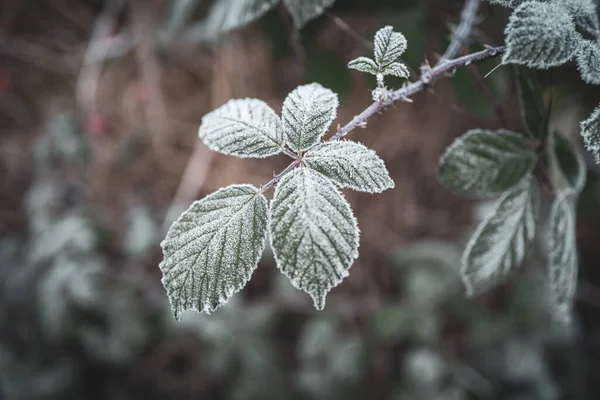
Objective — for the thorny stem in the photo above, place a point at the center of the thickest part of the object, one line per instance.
(428, 77)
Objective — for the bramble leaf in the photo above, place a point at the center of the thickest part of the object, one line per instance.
(226, 15)
(562, 259)
(533, 109)
(350, 165)
(396, 69)
(307, 113)
(571, 163)
(501, 240)
(303, 11)
(389, 45)
(511, 3)
(314, 235)
(484, 162)
(211, 251)
(584, 14)
(243, 128)
(540, 35)
(364, 64)
(588, 61)
(590, 131)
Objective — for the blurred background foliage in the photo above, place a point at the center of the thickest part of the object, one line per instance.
(99, 107)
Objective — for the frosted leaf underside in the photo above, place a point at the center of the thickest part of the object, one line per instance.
(307, 114)
(314, 234)
(562, 260)
(211, 251)
(303, 11)
(588, 61)
(364, 64)
(350, 165)
(243, 128)
(501, 240)
(226, 15)
(485, 162)
(389, 45)
(540, 35)
(590, 131)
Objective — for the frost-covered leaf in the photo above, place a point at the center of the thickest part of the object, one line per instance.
(533, 109)
(486, 162)
(243, 128)
(303, 11)
(211, 251)
(307, 113)
(584, 14)
(590, 131)
(501, 240)
(364, 64)
(350, 165)
(396, 69)
(588, 61)
(562, 259)
(389, 45)
(511, 3)
(226, 15)
(571, 163)
(314, 234)
(540, 35)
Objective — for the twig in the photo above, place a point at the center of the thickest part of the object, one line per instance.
(428, 78)
(349, 30)
(463, 30)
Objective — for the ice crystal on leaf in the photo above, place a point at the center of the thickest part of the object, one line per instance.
(243, 128)
(590, 131)
(350, 165)
(303, 11)
(364, 64)
(562, 259)
(484, 162)
(584, 14)
(307, 114)
(540, 35)
(313, 232)
(588, 60)
(396, 69)
(389, 45)
(511, 3)
(501, 240)
(211, 251)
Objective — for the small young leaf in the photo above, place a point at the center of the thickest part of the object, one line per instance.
(389, 45)
(501, 240)
(211, 251)
(243, 128)
(396, 69)
(562, 260)
(364, 64)
(588, 61)
(540, 35)
(584, 14)
(314, 234)
(226, 15)
(307, 113)
(484, 162)
(571, 163)
(350, 165)
(305, 10)
(590, 131)
(533, 109)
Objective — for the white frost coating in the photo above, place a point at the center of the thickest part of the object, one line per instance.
(584, 14)
(307, 113)
(590, 131)
(485, 162)
(243, 128)
(588, 61)
(501, 240)
(540, 35)
(562, 260)
(364, 64)
(511, 3)
(350, 165)
(303, 11)
(396, 69)
(226, 15)
(211, 251)
(389, 45)
(314, 235)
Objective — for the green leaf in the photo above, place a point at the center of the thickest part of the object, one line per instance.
(588, 61)
(364, 64)
(540, 35)
(350, 165)
(303, 11)
(396, 69)
(562, 259)
(307, 114)
(484, 162)
(533, 109)
(389, 45)
(211, 251)
(590, 131)
(314, 234)
(243, 128)
(226, 15)
(584, 14)
(571, 163)
(501, 240)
